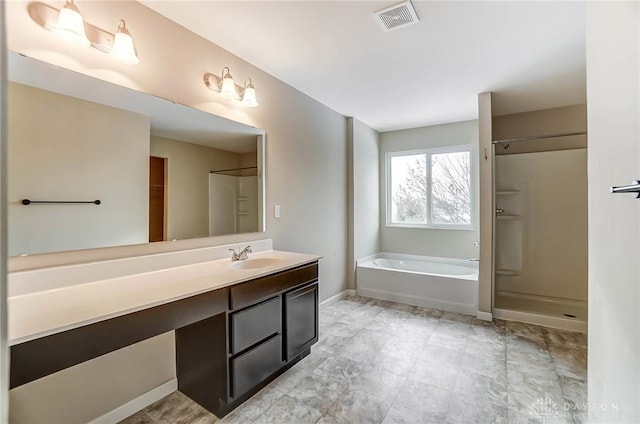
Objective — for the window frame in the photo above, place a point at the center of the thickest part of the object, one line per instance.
(428, 152)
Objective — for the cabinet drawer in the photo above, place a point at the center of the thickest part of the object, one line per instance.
(252, 367)
(301, 319)
(245, 294)
(256, 323)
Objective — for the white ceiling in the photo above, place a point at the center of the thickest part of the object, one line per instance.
(530, 53)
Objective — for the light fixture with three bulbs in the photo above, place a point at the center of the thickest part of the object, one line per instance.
(71, 26)
(227, 87)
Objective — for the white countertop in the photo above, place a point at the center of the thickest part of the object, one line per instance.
(43, 313)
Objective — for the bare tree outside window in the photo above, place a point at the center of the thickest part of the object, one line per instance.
(441, 198)
(451, 188)
(409, 192)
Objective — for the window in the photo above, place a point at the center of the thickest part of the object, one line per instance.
(431, 188)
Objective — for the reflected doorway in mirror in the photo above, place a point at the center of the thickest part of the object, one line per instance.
(157, 199)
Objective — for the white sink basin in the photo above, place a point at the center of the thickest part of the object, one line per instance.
(256, 263)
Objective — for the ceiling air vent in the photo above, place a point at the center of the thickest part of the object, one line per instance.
(397, 16)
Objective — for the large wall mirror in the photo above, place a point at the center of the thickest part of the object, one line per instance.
(161, 171)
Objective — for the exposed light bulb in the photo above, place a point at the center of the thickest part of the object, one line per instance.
(249, 94)
(123, 48)
(71, 25)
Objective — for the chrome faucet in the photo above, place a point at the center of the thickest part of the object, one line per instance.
(240, 255)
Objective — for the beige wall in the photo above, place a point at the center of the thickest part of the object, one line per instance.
(188, 167)
(247, 160)
(613, 90)
(364, 199)
(77, 151)
(305, 167)
(429, 242)
(542, 234)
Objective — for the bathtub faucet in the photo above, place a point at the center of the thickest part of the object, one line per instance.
(240, 255)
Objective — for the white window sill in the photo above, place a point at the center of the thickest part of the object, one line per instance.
(433, 227)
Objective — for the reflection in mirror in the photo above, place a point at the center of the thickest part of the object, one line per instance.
(161, 171)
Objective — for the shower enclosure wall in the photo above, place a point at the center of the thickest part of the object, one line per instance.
(233, 204)
(540, 225)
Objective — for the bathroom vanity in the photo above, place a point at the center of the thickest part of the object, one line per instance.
(238, 324)
(267, 325)
(83, 281)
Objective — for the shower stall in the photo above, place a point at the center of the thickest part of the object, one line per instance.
(233, 201)
(540, 222)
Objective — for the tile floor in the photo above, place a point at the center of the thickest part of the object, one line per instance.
(384, 362)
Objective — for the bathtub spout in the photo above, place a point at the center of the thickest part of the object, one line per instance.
(474, 260)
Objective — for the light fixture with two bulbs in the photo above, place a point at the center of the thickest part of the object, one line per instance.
(70, 25)
(227, 87)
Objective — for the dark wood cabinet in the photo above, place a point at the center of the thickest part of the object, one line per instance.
(301, 319)
(202, 362)
(270, 324)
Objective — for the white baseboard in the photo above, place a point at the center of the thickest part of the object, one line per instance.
(484, 316)
(336, 297)
(137, 404)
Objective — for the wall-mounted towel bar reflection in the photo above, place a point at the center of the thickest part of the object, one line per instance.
(60, 202)
(632, 188)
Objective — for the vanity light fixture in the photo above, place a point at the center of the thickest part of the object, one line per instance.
(225, 85)
(123, 48)
(249, 94)
(69, 23)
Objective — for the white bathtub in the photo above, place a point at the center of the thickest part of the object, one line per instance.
(441, 283)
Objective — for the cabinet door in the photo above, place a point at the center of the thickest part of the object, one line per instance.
(254, 366)
(301, 309)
